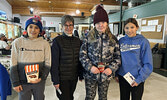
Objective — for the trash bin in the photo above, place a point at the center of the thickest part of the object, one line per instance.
(157, 59)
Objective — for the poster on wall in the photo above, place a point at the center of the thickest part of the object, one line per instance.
(2, 15)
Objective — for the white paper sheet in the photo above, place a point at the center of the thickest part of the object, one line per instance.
(148, 28)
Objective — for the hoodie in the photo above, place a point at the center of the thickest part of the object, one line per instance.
(136, 57)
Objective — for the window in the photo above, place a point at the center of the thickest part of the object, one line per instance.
(2, 28)
(9, 31)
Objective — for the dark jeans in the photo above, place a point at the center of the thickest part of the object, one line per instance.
(67, 88)
(37, 90)
(126, 89)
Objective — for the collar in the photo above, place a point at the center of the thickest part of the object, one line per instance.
(68, 35)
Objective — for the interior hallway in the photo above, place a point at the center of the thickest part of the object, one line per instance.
(155, 89)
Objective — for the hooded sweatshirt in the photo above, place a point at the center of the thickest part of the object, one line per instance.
(136, 57)
(29, 52)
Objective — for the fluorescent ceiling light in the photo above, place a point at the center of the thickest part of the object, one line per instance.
(78, 2)
(52, 12)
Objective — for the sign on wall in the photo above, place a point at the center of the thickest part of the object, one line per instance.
(2, 15)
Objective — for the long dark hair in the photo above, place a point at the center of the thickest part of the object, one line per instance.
(131, 20)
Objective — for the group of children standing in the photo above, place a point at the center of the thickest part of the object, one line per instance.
(99, 57)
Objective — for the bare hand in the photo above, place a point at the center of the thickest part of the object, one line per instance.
(57, 86)
(95, 70)
(36, 81)
(134, 84)
(18, 88)
(107, 71)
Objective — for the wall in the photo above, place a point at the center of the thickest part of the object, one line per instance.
(149, 9)
(54, 21)
(6, 7)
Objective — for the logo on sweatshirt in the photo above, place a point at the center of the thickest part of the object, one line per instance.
(24, 49)
(126, 47)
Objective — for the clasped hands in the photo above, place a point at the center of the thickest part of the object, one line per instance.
(95, 70)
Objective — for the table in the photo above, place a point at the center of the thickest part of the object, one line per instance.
(5, 60)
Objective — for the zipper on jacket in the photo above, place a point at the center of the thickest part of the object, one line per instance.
(101, 56)
(71, 40)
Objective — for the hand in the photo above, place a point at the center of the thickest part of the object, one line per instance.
(36, 81)
(57, 86)
(116, 79)
(80, 80)
(18, 88)
(107, 71)
(95, 70)
(134, 84)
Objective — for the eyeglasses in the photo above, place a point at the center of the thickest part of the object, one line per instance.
(71, 25)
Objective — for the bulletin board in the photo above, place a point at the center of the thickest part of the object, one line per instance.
(152, 28)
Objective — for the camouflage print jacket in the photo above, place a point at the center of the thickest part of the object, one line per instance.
(100, 48)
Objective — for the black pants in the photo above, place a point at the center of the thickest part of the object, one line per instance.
(67, 88)
(126, 90)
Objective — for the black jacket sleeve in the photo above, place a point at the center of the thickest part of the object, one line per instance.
(81, 71)
(55, 51)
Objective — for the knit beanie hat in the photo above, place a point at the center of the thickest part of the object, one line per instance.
(34, 20)
(100, 15)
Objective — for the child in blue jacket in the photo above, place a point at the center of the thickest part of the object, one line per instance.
(136, 59)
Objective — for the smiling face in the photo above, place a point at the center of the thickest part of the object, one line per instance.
(101, 27)
(130, 29)
(33, 31)
(68, 27)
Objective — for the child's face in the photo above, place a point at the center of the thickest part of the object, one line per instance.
(33, 31)
(130, 29)
(101, 27)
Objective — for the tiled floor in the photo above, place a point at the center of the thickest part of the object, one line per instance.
(155, 89)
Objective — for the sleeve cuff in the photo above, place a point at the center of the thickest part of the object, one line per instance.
(138, 81)
(16, 84)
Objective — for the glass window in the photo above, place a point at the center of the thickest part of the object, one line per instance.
(9, 31)
(16, 31)
(2, 28)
